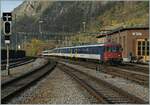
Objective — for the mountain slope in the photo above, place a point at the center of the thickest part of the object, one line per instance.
(68, 16)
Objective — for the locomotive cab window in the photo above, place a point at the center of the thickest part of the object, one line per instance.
(112, 48)
(115, 49)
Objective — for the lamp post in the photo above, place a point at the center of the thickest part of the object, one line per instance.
(84, 26)
(40, 27)
(25, 41)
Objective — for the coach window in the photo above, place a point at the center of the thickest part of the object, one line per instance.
(67, 50)
(83, 50)
(63, 50)
(93, 50)
(76, 51)
(89, 50)
(71, 50)
(86, 50)
(79, 50)
(97, 49)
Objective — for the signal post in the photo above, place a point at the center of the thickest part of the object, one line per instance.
(7, 18)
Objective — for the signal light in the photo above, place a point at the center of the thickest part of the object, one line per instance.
(4, 19)
(7, 28)
(7, 37)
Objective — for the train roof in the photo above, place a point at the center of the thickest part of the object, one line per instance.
(99, 44)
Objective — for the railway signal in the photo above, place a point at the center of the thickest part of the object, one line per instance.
(7, 18)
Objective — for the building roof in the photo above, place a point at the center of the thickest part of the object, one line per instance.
(120, 29)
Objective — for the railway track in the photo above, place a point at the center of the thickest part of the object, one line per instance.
(12, 88)
(134, 68)
(17, 63)
(138, 77)
(103, 91)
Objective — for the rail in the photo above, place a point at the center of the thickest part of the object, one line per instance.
(13, 87)
(103, 91)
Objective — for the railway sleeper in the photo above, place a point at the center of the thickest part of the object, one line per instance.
(131, 98)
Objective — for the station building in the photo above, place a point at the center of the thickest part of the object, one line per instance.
(134, 41)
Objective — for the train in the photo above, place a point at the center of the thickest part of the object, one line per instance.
(102, 52)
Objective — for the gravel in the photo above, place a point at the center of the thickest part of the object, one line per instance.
(127, 85)
(16, 71)
(55, 88)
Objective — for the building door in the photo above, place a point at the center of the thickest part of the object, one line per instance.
(142, 49)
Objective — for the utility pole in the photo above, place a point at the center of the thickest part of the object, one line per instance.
(40, 28)
(7, 65)
(25, 40)
(15, 32)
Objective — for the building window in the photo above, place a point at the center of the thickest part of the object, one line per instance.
(148, 51)
(139, 47)
(124, 42)
(139, 52)
(139, 43)
(119, 39)
(148, 48)
(143, 48)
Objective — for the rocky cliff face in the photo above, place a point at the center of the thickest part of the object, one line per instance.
(68, 16)
(31, 8)
(57, 16)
